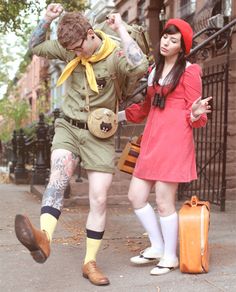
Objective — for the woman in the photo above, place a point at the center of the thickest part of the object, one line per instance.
(173, 107)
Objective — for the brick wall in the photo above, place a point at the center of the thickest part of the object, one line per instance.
(29, 83)
(231, 126)
(231, 137)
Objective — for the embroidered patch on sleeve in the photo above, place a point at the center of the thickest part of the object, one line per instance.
(120, 53)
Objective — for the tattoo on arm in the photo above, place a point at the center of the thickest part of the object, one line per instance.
(134, 53)
(39, 34)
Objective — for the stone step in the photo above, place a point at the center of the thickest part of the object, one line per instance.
(111, 200)
(118, 187)
(117, 194)
(81, 199)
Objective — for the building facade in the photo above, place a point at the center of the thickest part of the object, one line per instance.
(32, 86)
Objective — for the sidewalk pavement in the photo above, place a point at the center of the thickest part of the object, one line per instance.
(123, 238)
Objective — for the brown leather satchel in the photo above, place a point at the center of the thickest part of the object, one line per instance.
(129, 155)
(194, 221)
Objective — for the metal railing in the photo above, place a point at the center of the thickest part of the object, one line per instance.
(211, 141)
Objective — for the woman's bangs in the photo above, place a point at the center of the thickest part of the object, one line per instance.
(172, 29)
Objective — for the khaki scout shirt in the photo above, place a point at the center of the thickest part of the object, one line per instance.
(75, 100)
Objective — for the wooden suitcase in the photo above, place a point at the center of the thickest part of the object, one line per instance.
(194, 221)
(129, 155)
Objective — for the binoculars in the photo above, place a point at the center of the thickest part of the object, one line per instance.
(159, 101)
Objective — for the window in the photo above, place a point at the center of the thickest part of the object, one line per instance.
(125, 16)
(141, 12)
(227, 6)
(187, 8)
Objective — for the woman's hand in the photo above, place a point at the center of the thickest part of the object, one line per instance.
(201, 106)
(53, 11)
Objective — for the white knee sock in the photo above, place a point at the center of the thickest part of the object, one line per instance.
(148, 219)
(169, 228)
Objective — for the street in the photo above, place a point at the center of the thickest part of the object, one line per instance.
(123, 238)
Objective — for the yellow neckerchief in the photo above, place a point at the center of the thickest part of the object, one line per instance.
(106, 49)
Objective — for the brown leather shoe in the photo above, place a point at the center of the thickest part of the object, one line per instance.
(95, 276)
(34, 239)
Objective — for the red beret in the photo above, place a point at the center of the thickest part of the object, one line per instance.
(185, 30)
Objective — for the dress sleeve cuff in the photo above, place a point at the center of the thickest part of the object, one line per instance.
(194, 119)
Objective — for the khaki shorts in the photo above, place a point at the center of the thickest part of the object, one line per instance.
(95, 154)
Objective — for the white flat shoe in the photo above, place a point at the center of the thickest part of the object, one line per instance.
(146, 256)
(165, 266)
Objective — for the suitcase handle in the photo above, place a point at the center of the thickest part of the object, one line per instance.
(194, 201)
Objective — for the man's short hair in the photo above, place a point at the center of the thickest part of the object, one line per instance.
(72, 27)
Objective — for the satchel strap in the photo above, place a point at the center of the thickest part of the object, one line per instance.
(87, 108)
(116, 84)
(118, 92)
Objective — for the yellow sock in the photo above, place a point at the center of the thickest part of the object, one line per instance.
(92, 247)
(48, 223)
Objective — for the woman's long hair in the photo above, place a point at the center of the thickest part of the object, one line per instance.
(172, 79)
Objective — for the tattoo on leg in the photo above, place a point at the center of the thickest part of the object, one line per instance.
(64, 165)
(62, 169)
(53, 197)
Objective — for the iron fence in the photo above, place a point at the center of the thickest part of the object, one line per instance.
(211, 141)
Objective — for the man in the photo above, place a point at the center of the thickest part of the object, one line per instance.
(89, 54)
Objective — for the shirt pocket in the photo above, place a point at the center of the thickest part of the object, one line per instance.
(103, 76)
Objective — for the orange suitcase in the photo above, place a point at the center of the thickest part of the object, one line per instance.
(194, 221)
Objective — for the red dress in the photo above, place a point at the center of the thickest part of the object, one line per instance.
(167, 147)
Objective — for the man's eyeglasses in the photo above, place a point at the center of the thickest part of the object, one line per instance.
(77, 48)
